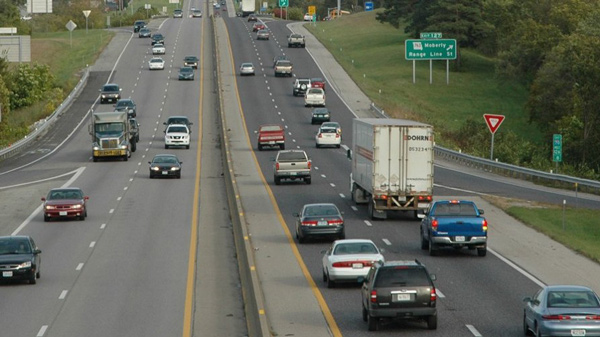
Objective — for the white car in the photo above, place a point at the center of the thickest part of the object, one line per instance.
(348, 260)
(156, 63)
(328, 136)
(177, 135)
(246, 69)
(314, 97)
(308, 17)
(158, 48)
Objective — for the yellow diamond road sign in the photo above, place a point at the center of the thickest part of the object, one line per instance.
(312, 10)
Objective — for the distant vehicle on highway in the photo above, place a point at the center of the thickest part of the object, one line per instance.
(562, 310)
(191, 61)
(246, 69)
(308, 17)
(292, 165)
(258, 26)
(156, 63)
(300, 86)
(165, 165)
(197, 13)
(348, 260)
(157, 38)
(252, 17)
(186, 73)
(335, 125)
(177, 135)
(314, 97)
(179, 120)
(139, 24)
(144, 32)
(110, 92)
(158, 49)
(317, 82)
(319, 220)
(65, 203)
(271, 135)
(20, 259)
(128, 105)
(320, 115)
(262, 34)
(177, 13)
(328, 136)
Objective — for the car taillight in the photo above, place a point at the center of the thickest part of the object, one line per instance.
(484, 225)
(309, 164)
(381, 196)
(277, 166)
(320, 135)
(309, 223)
(425, 198)
(335, 222)
(593, 317)
(432, 295)
(556, 317)
(373, 296)
(434, 225)
(337, 135)
(350, 264)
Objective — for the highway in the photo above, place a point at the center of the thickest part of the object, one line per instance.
(156, 257)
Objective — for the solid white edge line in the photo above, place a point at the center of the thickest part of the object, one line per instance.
(517, 268)
(78, 172)
(43, 180)
(354, 208)
(439, 293)
(473, 330)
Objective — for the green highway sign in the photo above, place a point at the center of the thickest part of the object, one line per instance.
(284, 3)
(430, 35)
(438, 49)
(557, 148)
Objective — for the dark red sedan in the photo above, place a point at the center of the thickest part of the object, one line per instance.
(317, 82)
(258, 26)
(67, 202)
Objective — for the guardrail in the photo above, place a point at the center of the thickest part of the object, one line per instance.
(42, 126)
(513, 171)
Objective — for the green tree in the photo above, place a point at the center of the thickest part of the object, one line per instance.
(412, 13)
(28, 84)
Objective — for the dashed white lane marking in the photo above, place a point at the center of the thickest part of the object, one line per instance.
(354, 208)
(92, 244)
(125, 188)
(79, 266)
(342, 196)
(119, 198)
(332, 184)
(112, 210)
(103, 226)
(316, 167)
(324, 176)
(387, 242)
(369, 224)
(42, 331)
(293, 140)
(473, 330)
(439, 293)
(63, 294)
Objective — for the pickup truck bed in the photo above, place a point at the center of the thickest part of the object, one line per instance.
(456, 224)
(293, 165)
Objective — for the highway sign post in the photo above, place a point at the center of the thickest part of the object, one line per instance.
(284, 3)
(430, 48)
(70, 26)
(430, 35)
(493, 122)
(557, 148)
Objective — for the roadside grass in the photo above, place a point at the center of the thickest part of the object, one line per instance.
(581, 230)
(373, 55)
(66, 61)
(158, 4)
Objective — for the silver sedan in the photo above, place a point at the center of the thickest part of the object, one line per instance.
(348, 260)
(156, 63)
(562, 310)
(247, 69)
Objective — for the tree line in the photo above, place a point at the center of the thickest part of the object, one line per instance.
(552, 46)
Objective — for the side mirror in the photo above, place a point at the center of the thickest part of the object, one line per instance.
(361, 279)
(433, 277)
(420, 215)
(297, 215)
(481, 211)
(37, 251)
(86, 198)
(527, 299)
(150, 162)
(43, 199)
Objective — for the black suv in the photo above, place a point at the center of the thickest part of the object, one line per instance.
(19, 258)
(300, 86)
(139, 24)
(158, 38)
(110, 93)
(178, 120)
(399, 290)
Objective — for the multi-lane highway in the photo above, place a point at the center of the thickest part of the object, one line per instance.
(156, 257)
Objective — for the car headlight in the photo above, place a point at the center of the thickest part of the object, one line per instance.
(175, 168)
(48, 207)
(123, 147)
(96, 148)
(103, 96)
(155, 168)
(77, 206)
(24, 265)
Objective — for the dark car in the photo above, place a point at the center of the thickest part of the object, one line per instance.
(186, 73)
(165, 165)
(144, 32)
(320, 115)
(139, 24)
(562, 310)
(179, 120)
(258, 26)
(110, 93)
(252, 17)
(191, 61)
(300, 86)
(19, 258)
(67, 202)
(158, 38)
(134, 129)
(319, 220)
(399, 290)
(128, 105)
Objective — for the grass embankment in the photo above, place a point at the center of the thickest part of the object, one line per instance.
(373, 54)
(66, 58)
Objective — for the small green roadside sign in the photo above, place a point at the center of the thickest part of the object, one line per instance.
(284, 3)
(557, 148)
(435, 35)
(435, 49)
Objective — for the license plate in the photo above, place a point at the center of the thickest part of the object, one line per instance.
(292, 173)
(579, 332)
(402, 297)
(459, 239)
(271, 142)
(357, 265)
(62, 213)
(322, 223)
(7, 274)
(165, 172)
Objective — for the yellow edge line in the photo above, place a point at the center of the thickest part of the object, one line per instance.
(335, 330)
(191, 272)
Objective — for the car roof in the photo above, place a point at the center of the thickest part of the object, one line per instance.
(156, 59)
(397, 263)
(165, 155)
(320, 204)
(125, 100)
(186, 68)
(14, 237)
(567, 287)
(178, 117)
(176, 125)
(248, 64)
(66, 189)
(337, 242)
(191, 57)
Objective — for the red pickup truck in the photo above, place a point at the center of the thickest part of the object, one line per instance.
(272, 135)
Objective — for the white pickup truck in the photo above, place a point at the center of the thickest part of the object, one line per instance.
(293, 165)
(296, 40)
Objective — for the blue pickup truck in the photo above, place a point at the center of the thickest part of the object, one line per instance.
(456, 224)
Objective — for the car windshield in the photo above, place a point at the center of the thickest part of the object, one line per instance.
(572, 299)
(64, 194)
(165, 160)
(177, 129)
(121, 104)
(270, 128)
(328, 130)
(185, 70)
(449, 209)
(110, 88)
(315, 91)
(158, 45)
(401, 276)
(321, 210)
(355, 248)
(177, 121)
(191, 59)
(303, 81)
(247, 65)
(156, 60)
(108, 128)
(292, 156)
(14, 246)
